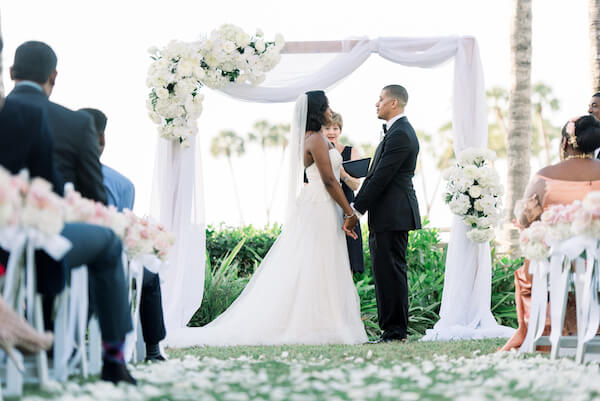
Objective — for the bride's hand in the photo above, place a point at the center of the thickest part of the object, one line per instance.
(349, 225)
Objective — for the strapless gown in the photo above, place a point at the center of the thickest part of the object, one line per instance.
(302, 292)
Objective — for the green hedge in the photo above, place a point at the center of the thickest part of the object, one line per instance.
(234, 253)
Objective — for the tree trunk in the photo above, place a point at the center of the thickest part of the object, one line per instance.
(518, 146)
(235, 190)
(594, 13)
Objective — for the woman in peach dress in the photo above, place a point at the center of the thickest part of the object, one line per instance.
(577, 174)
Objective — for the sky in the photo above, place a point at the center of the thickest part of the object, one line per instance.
(103, 59)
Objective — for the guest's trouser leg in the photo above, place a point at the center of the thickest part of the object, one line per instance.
(151, 312)
(100, 249)
(388, 260)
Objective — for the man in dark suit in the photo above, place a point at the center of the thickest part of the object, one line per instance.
(75, 141)
(26, 142)
(388, 195)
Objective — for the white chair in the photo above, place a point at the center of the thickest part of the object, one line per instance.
(70, 350)
(20, 289)
(565, 275)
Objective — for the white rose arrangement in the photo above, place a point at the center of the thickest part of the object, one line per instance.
(473, 192)
(180, 70)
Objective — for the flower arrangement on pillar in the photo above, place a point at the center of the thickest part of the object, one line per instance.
(180, 70)
(473, 192)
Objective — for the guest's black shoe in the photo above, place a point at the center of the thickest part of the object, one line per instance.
(155, 359)
(116, 372)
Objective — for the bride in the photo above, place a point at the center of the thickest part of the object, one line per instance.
(302, 292)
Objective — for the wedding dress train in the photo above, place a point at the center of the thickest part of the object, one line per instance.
(302, 292)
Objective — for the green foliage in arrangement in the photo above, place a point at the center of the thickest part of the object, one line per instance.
(234, 253)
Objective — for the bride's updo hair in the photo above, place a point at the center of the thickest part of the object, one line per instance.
(587, 133)
(317, 106)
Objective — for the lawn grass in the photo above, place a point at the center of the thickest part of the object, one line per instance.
(387, 352)
(436, 371)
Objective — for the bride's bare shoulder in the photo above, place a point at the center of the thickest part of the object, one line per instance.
(313, 138)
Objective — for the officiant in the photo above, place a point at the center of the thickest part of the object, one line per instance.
(349, 185)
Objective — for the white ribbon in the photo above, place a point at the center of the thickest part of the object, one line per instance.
(56, 246)
(135, 269)
(559, 274)
(590, 308)
(13, 241)
(539, 269)
(78, 313)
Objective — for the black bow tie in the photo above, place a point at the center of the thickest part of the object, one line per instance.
(385, 128)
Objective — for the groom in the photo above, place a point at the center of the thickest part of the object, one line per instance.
(387, 194)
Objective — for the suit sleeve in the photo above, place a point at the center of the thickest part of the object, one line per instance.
(89, 173)
(395, 152)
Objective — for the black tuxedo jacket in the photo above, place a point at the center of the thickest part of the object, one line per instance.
(25, 142)
(387, 192)
(76, 152)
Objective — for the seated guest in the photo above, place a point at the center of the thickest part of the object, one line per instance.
(577, 174)
(26, 142)
(121, 194)
(75, 143)
(15, 332)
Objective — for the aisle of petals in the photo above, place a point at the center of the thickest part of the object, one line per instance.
(499, 376)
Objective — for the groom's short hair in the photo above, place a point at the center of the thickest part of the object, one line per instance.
(397, 92)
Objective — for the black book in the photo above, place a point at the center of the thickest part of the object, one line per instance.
(357, 168)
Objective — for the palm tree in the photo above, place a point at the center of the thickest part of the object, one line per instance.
(518, 144)
(498, 96)
(594, 13)
(228, 143)
(268, 135)
(543, 98)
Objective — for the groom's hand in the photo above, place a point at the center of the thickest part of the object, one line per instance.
(349, 225)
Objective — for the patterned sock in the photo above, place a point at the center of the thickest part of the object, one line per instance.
(152, 351)
(114, 351)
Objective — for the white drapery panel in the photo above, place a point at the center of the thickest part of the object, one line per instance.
(178, 203)
(468, 276)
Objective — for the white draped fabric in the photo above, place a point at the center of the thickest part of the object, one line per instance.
(467, 288)
(178, 203)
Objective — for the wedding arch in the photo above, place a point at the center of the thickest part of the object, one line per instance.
(178, 203)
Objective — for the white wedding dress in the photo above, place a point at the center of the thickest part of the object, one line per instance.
(302, 292)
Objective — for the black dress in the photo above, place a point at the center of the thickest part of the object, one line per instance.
(355, 246)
